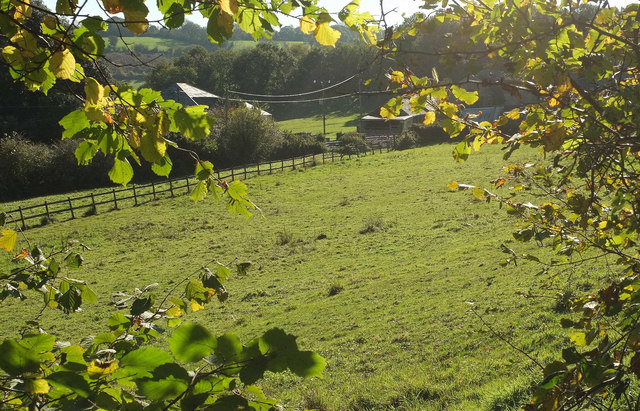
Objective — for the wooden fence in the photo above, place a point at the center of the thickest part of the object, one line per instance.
(135, 194)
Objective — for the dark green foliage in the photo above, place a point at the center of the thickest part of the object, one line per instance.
(29, 168)
(427, 135)
(407, 139)
(245, 136)
(353, 143)
(298, 144)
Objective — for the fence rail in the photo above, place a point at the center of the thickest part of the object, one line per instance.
(137, 194)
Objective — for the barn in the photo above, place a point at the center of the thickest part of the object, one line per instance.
(188, 95)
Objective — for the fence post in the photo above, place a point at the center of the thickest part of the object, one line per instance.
(46, 208)
(293, 163)
(71, 207)
(232, 176)
(282, 164)
(171, 187)
(188, 188)
(323, 157)
(270, 167)
(332, 156)
(218, 173)
(258, 165)
(93, 203)
(24, 227)
(135, 196)
(153, 189)
(115, 200)
(304, 162)
(245, 172)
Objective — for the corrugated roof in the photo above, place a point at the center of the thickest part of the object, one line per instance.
(194, 92)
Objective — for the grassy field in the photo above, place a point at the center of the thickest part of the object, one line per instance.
(370, 261)
(335, 123)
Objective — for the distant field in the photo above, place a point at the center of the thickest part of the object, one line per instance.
(370, 261)
(335, 123)
(164, 44)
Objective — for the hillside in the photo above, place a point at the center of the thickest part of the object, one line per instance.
(371, 262)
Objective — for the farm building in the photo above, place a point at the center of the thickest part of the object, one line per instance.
(188, 95)
(373, 124)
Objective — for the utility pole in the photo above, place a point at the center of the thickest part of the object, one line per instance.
(324, 109)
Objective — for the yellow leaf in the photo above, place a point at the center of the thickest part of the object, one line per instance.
(453, 186)
(603, 224)
(196, 306)
(429, 118)
(36, 386)
(478, 193)
(307, 26)
(99, 368)
(23, 10)
(225, 22)
(112, 6)
(229, 6)
(478, 142)
(8, 239)
(323, 33)
(136, 21)
(174, 312)
(94, 92)
(63, 64)
(397, 76)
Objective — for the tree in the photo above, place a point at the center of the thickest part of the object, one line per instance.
(582, 64)
(119, 369)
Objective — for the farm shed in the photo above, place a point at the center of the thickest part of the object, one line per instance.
(373, 124)
(188, 95)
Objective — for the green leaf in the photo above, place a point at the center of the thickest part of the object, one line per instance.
(174, 17)
(204, 170)
(72, 381)
(88, 295)
(165, 389)
(191, 342)
(306, 363)
(163, 168)
(462, 151)
(121, 172)
(73, 123)
(74, 261)
(141, 305)
(16, 359)
(141, 362)
(467, 97)
(276, 340)
(222, 272)
(71, 300)
(117, 320)
(192, 122)
(85, 152)
(199, 192)
(228, 348)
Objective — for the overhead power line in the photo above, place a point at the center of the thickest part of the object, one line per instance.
(297, 94)
(307, 100)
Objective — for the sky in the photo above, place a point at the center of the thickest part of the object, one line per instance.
(394, 7)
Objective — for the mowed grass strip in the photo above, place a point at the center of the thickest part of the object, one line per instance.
(335, 123)
(372, 262)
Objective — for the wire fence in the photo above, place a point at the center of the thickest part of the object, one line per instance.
(136, 194)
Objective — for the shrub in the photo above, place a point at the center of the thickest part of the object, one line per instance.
(407, 139)
(298, 144)
(245, 136)
(426, 135)
(353, 143)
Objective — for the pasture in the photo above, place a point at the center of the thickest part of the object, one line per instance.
(335, 122)
(372, 262)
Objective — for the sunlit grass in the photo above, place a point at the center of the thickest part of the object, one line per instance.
(388, 307)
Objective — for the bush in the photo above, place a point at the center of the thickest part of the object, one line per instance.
(427, 135)
(30, 168)
(353, 143)
(407, 139)
(299, 144)
(245, 136)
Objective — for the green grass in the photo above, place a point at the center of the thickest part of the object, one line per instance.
(335, 123)
(370, 261)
